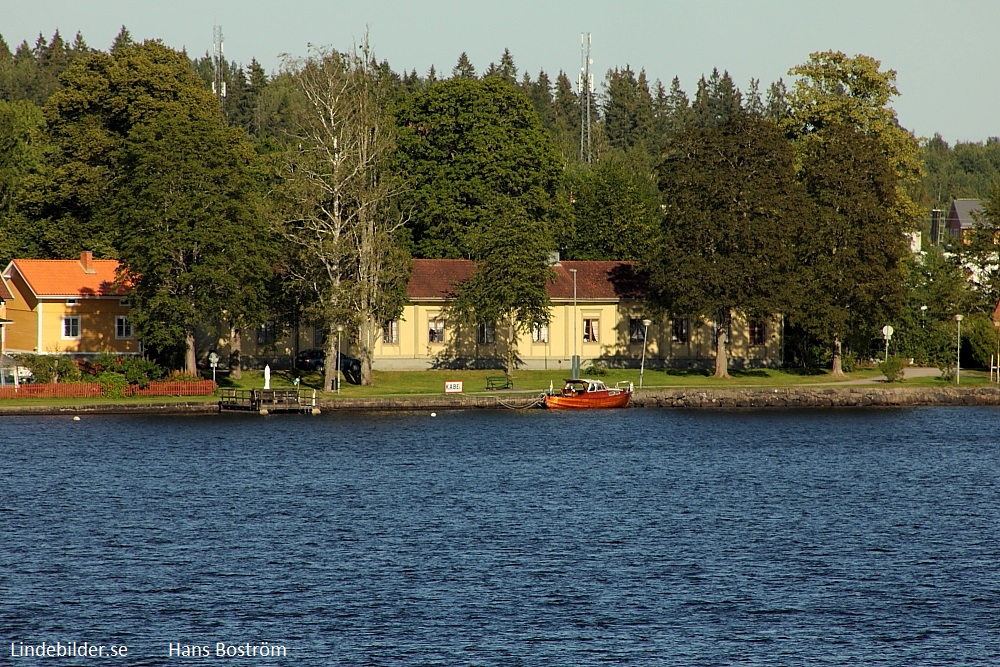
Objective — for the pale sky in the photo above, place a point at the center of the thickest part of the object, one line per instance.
(946, 54)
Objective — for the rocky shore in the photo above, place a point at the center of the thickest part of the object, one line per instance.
(791, 397)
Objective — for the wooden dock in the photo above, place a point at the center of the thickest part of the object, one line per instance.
(266, 401)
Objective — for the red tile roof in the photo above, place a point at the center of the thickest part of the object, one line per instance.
(5, 294)
(438, 278)
(67, 277)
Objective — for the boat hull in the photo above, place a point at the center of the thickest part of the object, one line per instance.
(613, 398)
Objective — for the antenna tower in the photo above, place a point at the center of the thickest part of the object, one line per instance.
(218, 65)
(585, 84)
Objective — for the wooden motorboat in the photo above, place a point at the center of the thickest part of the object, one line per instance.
(587, 393)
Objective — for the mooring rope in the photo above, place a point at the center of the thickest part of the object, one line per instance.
(540, 400)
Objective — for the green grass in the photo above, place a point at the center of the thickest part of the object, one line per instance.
(406, 383)
(431, 382)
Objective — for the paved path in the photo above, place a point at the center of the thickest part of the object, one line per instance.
(908, 372)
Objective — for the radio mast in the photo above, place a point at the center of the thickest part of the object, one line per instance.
(218, 65)
(585, 86)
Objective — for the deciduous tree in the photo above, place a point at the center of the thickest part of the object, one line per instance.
(723, 245)
(341, 193)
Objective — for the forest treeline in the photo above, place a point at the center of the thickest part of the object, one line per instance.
(300, 195)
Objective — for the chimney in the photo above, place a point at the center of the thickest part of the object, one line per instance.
(87, 261)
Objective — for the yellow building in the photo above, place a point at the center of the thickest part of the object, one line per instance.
(5, 296)
(70, 307)
(598, 311)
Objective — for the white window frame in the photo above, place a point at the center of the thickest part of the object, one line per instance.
(435, 331)
(636, 330)
(71, 323)
(761, 328)
(487, 333)
(540, 333)
(123, 328)
(591, 330)
(680, 330)
(390, 332)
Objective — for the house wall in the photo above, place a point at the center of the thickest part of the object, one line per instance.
(415, 351)
(22, 333)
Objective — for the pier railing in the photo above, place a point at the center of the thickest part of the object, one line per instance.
(266, 400)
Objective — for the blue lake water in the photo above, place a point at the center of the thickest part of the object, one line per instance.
(631, 537)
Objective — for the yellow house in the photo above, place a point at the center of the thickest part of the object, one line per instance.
(598, 313)
(71, 306)
(5, 296)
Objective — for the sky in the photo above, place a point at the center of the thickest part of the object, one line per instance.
(945, 54)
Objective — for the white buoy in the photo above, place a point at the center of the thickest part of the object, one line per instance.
(434, 414)
(76, 418)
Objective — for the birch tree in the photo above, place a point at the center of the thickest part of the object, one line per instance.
(340, 190)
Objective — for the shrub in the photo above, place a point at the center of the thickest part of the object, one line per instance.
(892, 369)
(47, 368)
(113, 385)
(595, 368)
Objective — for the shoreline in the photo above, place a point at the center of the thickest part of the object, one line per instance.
(856, 396)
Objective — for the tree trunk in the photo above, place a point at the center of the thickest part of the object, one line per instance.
(511, 347)
(366, 335)
(838, 370)
(235, 353)
(721, 356)
(190, 360)
(331, 367)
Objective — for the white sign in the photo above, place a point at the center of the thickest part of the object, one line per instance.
(887, 332)
(453, 387)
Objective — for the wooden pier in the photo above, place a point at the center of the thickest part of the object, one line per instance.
(265, 401)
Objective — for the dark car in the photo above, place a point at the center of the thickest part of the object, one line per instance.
(313, 360)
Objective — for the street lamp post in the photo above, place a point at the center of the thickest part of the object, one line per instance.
(958, 352)
(645, 336)
(340, 328)
(575, 361)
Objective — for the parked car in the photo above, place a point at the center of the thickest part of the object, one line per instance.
(314, 360)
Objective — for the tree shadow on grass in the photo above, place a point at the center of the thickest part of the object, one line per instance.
(688, 372)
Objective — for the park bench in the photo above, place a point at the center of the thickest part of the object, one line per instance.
(499, 382)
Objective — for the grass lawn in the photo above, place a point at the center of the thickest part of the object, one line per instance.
(401, 383)
(431, 382)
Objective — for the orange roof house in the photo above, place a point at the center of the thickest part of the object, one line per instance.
(67, 306)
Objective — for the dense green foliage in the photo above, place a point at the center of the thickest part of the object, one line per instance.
(236, 209)
(468, 148)
(723, 244)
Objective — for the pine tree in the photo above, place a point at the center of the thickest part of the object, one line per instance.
(463, 68)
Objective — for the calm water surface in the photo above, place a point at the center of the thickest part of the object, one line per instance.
(637, 537)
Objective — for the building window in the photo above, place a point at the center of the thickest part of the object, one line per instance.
(757, 332)
(540, 333)
(72, 302)
(680, 330)
(390, 332)
(591, 327)
(125, 302)
(435, 331)
(636, 330)
(123, 328)
(267, 334)
(71, 326)
(487, 334)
